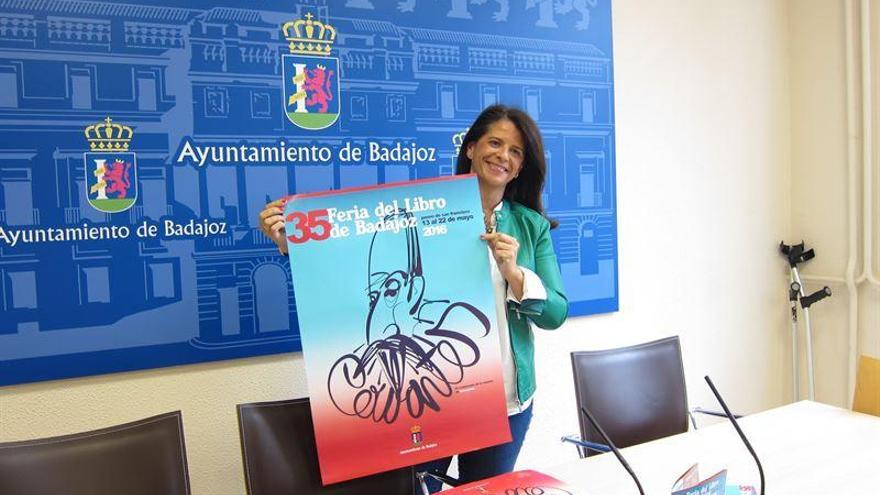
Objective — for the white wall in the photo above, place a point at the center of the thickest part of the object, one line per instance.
(819, 187)
(703, 145)
(704, 188)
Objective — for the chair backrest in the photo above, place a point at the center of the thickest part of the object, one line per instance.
(636, 393)
(146, 457)
(867, 395)
(280, 456)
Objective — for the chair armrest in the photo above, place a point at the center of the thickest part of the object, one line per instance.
(707, 412)
(595, 447)
(422, 475)
(710, 412)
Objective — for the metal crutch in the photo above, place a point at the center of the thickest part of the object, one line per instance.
(797, 254)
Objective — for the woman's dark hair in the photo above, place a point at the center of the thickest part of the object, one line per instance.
(527, 186)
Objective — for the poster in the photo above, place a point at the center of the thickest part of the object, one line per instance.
(397, 318)
(515, 483)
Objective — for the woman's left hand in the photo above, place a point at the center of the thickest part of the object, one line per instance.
(504, 249)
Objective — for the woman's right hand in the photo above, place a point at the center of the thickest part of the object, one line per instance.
(272, 223)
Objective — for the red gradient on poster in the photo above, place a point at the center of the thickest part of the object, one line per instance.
(351, 447)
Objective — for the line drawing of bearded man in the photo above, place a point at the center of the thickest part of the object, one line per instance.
(416, 349)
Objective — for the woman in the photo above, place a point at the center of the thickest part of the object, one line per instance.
(504, 149)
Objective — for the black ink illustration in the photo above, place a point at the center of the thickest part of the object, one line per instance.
(416, 349)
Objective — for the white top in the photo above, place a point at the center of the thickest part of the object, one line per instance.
(533, 288)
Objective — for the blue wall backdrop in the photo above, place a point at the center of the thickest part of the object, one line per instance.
(138, 144)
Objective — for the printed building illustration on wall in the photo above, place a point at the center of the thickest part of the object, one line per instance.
(209, 76)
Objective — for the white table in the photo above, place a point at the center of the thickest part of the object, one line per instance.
(805, 448)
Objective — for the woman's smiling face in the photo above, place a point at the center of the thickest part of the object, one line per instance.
(497, 157)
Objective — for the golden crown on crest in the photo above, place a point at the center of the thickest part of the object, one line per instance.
(458, 139)
(309, 37)
(108, 136)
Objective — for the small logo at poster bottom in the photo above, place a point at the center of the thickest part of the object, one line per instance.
(415, 434)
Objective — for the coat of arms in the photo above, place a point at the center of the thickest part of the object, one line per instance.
(110, 168)
(416, 435)
(311, 75)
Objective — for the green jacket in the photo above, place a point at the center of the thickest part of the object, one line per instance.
(532, 231)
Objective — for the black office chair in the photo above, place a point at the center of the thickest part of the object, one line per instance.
(280, 456)
(636, 393)
(145, 457)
